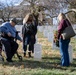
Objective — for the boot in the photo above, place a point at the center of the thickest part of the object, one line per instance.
(24, 54)
(29, 53)
(32, 51)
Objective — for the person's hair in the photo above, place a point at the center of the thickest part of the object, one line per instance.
(62, 16)
(26, 18)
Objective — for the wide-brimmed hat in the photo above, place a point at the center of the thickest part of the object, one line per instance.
(14, 20)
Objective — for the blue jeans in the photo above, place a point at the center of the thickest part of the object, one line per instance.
(64, 44)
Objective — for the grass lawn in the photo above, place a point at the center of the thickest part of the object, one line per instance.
(49, 65)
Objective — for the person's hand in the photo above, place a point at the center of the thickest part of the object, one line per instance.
(22, 35)
(3, 34)
(21, 41)
(9, 34)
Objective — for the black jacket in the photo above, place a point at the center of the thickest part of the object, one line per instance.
(30, 30)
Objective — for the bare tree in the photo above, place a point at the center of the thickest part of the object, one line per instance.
(53, 6)
(72, 10)
(49, 8)
(6, 9)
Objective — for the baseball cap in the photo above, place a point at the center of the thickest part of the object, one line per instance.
(14, 20)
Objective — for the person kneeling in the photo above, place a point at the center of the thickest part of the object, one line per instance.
(8, 31)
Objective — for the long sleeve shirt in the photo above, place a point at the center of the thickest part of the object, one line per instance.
(7, 27)
(62, 26)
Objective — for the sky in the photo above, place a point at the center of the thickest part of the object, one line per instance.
(9, 1)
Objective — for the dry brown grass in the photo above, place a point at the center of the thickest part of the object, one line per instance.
(47, 66)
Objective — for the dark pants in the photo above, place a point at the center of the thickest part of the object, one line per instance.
(10, 48)
(30, 48)
(64, 44)
(30, 42)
